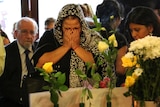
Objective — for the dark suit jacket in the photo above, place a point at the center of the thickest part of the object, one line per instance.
(11, 79)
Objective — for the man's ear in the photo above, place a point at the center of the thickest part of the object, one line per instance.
(16, 33)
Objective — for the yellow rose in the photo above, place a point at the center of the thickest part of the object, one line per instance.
(129, 62)
(48, 67)
(102, 46)
(129, 81)
(112, 39)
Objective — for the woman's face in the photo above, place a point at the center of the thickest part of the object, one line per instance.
(71, 25)
(139, 31)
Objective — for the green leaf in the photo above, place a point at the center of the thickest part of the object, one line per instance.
(126, 94)
(46, 77)
(98, 26)
(62, 78)
(89, 93)
(83, 93)
(57, 74)
(39, 69)
(95, 19)
(93, 70)
(81, 74)
(88, 65)
(45, 87)
(63, 88)
(96, 77)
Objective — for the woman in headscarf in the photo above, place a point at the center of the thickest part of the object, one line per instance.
(70, 46)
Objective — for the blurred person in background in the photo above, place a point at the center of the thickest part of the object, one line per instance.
(14, 29)
(88, 14)
(4, 37)
(49, 23)
(110, 14)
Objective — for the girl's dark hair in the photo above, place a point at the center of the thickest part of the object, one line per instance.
(143, 16)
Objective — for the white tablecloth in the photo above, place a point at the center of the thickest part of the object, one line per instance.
(71, 98)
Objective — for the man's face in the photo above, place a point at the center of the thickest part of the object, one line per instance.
(25, 34)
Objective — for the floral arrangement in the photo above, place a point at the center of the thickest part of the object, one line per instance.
(142, 64)
(109, 51)
(108, 80)
(55, 82)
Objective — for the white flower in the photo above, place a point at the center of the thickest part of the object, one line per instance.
(147, 47)
(137, 72)
(129, 55)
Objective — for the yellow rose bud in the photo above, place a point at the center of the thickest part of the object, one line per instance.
(115, 44)
(102, 46)
(137, 65)
(112, 17)
(112, 38)
(48, 67)
(103, 28)
(129, 81)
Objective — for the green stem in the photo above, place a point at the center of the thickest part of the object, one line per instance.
(109, 104)
(81, 104)
(56, 105)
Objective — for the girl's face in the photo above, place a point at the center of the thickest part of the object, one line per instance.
(139, 31)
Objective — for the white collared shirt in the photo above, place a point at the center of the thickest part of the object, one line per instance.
(23, 62)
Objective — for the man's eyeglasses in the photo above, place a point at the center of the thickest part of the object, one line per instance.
(25, 32)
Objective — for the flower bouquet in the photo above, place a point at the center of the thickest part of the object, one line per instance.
(109, 52)
(55, 82)
(142, 64)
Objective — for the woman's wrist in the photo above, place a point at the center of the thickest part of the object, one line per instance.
(75, 48)
(65, 47)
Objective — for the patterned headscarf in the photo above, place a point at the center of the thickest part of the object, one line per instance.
(88, 39)
(72, 10)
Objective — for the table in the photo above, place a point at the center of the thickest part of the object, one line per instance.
(71, 98)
